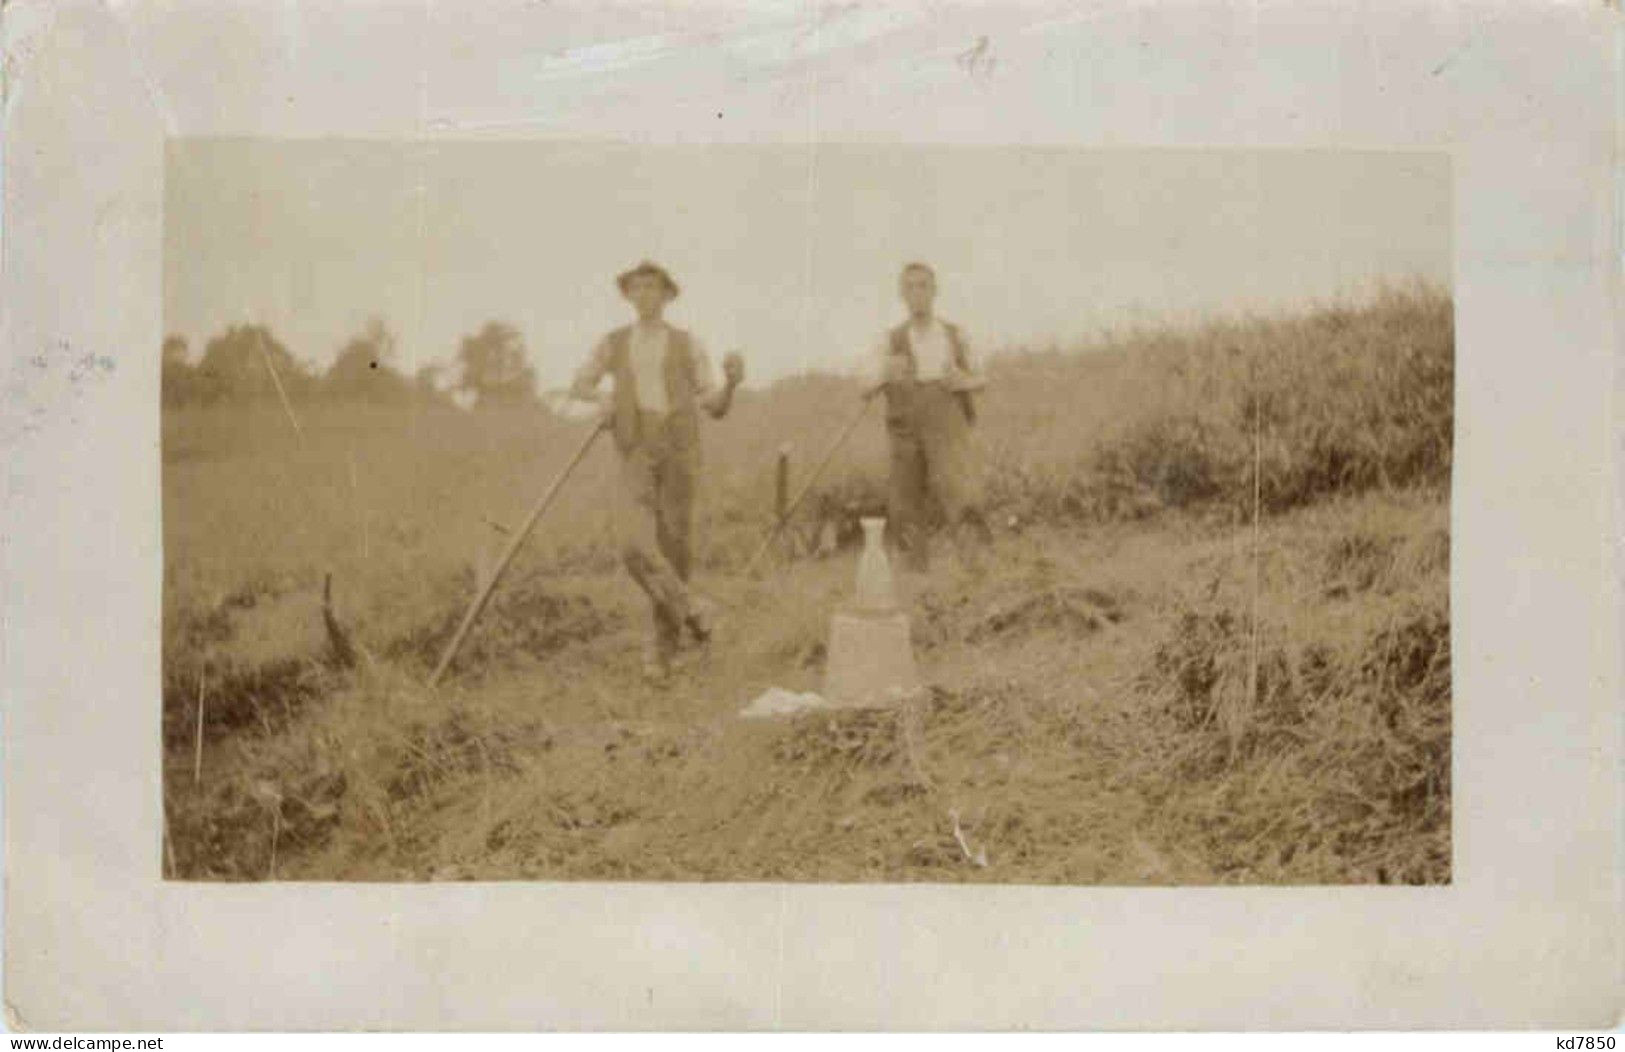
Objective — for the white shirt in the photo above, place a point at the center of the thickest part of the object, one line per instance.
(933, 353)
(646, 357)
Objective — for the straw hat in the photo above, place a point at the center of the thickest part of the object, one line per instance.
(654, 269)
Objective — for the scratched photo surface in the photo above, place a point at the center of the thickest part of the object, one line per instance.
(574, 511)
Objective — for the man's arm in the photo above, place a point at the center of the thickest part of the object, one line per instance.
(585, 385)
(968, 377)
(713, 399)
(584, 388)
(877, 369)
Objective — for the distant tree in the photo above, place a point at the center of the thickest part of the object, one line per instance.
(237, 366)
(177, 378)
(429, 384)
(364, 369)
(494, 371)
(430, 377)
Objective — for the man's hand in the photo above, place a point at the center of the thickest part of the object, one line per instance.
(721, 399)
(959, 380)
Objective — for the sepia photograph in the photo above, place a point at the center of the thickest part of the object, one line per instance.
(760, 516)
(806, 513)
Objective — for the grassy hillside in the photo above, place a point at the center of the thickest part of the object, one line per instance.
(1211, 642)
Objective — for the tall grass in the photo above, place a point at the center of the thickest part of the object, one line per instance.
(1275, 715)
(1339, 400)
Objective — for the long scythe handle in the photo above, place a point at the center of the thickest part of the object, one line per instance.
(807, 486)
(518, 539)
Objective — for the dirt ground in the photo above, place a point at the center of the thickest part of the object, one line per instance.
(1209, 644)
(1085, 722)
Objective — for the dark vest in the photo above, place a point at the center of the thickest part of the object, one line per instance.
(898, 396)
(682, 421)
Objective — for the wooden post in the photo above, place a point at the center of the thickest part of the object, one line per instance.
(781, 486)
(806, 487)
(197, 754)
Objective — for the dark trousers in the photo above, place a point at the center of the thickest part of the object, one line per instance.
(654, 525)
(932, 460)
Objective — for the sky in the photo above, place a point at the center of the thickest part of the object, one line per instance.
(787, 253)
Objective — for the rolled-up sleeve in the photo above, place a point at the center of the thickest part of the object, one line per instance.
(705, 377)
(973, 361)
(591, 373)
(870, 367)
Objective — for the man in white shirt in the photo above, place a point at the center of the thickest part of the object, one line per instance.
(661, 377)
(928, 374)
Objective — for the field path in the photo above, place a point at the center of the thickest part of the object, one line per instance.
(1081, 726)
(1000, 772)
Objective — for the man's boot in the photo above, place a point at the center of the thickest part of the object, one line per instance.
(659, 651)
(701, 620)
(656, 666)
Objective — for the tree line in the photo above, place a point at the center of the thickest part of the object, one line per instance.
(247, 363)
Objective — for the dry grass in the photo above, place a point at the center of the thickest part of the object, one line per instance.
(1125, 689)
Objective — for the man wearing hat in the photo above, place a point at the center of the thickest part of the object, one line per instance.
(661, 378)
(928, 374)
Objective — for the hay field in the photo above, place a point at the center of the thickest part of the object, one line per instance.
(1210, 643)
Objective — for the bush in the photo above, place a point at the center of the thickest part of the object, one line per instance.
(1339, 742)
(1284, 411)
(526, 619)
